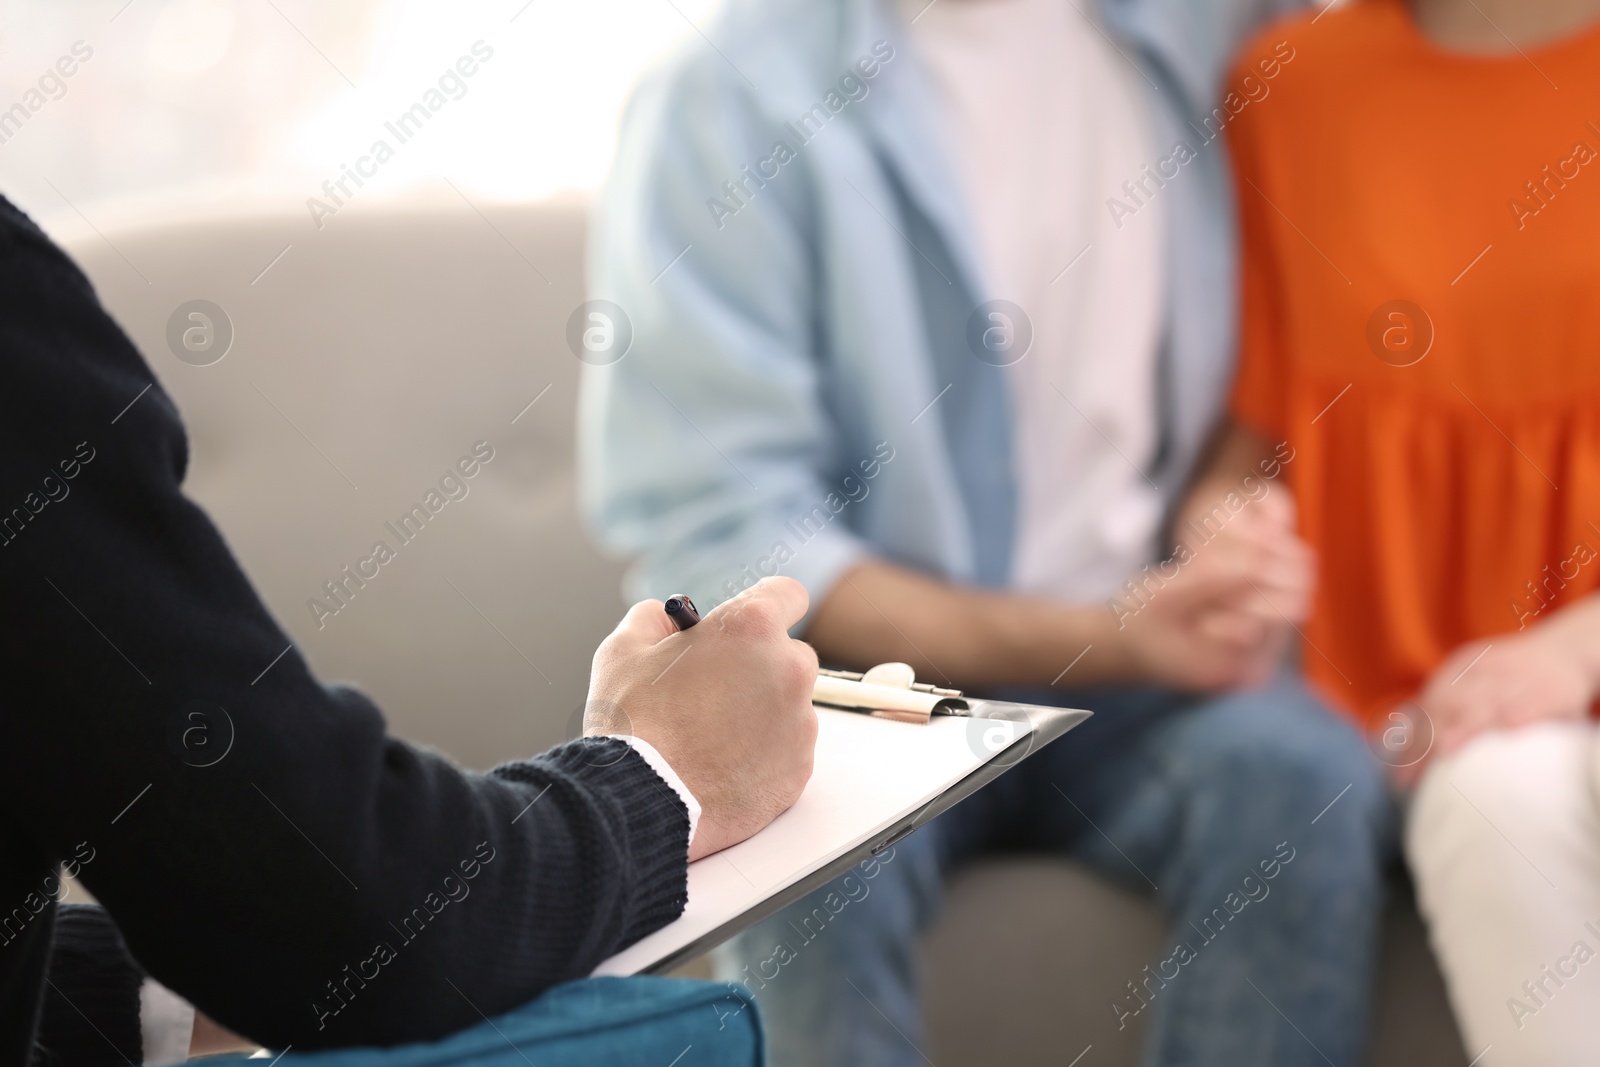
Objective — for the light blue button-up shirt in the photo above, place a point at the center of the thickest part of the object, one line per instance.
(784, 234)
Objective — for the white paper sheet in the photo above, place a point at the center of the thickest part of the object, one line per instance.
(868, 774)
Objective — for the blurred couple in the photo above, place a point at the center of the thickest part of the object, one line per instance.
(1239, 366)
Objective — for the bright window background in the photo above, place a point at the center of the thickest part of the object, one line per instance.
(203, 100)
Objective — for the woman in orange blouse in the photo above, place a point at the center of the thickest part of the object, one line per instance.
(1420, 202)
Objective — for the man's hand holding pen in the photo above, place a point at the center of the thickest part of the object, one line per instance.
(727, 704)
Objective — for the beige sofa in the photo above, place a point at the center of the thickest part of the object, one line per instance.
(366, 358)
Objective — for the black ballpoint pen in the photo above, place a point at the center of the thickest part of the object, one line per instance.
(681, 610)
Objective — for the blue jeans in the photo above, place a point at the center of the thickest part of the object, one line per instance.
(1261, 817)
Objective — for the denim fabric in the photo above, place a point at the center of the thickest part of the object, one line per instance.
(593, 1021)
(1261, 817)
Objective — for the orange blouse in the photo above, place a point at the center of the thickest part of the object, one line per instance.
(1421, 324)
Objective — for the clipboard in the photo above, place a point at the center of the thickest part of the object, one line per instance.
(880, 774)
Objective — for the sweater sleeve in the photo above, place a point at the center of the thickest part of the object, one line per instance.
(90, 1016)
(268, 851)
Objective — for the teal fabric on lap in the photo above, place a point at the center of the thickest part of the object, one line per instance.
(656, 1021)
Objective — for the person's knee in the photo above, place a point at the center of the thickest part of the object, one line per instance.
(1352, 780)
(1523, 773)
(1337, 814)
(1525, 783)
(1295, 761)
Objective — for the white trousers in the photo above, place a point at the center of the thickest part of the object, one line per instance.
(1504, 842)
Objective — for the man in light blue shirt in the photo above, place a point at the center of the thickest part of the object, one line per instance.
(931, 307)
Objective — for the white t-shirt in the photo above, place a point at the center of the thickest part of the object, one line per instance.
(1046, 121)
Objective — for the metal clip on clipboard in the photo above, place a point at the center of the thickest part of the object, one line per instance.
(889, 691)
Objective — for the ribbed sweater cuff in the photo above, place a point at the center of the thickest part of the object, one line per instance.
(91, 1006)
(654, 828)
